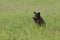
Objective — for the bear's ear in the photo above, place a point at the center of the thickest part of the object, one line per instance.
(39, 13)
(34, 12)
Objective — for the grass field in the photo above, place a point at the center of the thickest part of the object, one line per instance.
(16, 21)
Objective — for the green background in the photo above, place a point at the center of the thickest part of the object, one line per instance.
(16, 22)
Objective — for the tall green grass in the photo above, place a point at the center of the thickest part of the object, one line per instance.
(16, 21)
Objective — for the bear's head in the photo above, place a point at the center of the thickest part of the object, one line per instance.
(37, 15)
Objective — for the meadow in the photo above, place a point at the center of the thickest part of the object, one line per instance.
(16, 22)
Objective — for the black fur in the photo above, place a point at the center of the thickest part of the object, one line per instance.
(38, 19)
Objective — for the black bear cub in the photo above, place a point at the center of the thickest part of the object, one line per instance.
(38, 19)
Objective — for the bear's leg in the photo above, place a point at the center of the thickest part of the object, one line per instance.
(38, 21)
(35, 19)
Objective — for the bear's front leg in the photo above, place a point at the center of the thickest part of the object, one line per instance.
(35, 19)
